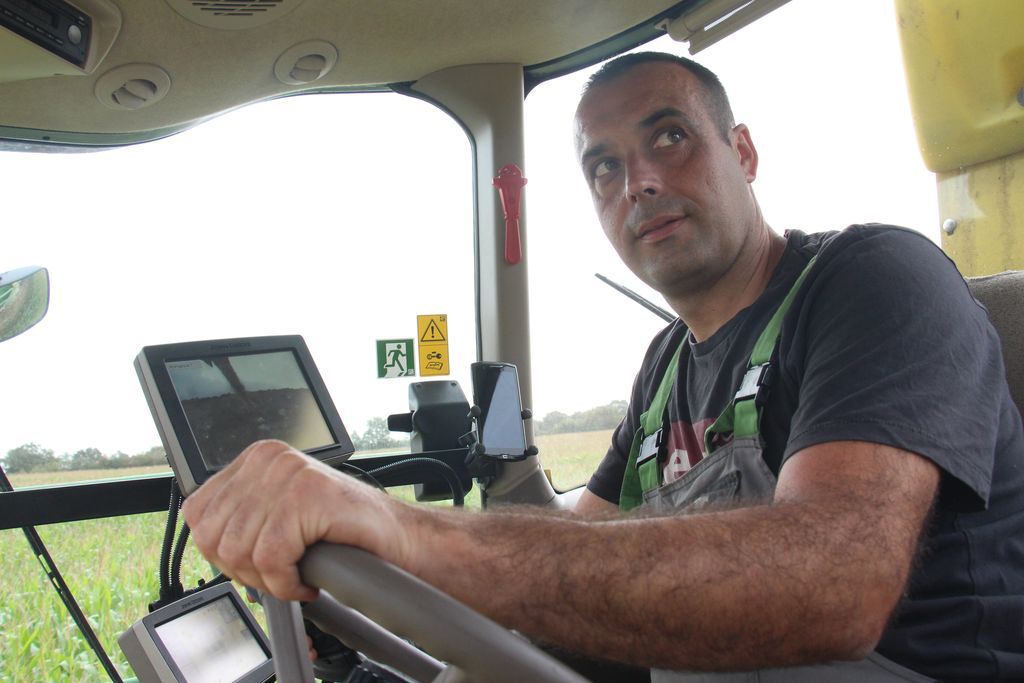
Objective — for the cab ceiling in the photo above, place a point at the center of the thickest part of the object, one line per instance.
(378, 42)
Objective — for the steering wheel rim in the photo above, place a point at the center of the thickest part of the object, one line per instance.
(411, 608)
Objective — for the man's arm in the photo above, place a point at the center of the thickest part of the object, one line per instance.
(812, 577)
(592, 506)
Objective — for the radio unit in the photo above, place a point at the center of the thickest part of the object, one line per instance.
(52, 24)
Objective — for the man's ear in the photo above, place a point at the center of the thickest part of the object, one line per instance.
(745, 150)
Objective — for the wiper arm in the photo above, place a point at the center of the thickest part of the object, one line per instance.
(649, 305)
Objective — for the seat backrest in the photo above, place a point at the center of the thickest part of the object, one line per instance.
(1003, 296)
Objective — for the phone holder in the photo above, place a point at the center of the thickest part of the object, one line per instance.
(478, 450)
(497, 416)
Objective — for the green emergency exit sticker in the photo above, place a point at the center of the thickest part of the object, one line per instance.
(395, 358)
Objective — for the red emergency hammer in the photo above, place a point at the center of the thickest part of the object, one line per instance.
(509, 182)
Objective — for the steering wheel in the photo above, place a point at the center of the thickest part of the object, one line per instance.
(375, 604)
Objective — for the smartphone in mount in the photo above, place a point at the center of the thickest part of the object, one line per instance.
(498, 412)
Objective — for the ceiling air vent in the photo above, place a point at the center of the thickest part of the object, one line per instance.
(232, 14)
(305, 62)
(132, 86)
(135, 94)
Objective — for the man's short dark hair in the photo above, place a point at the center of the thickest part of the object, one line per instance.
(717, 100)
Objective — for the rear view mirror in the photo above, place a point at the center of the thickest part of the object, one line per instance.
(24, 298)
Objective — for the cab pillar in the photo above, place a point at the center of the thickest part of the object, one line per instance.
(487, 100)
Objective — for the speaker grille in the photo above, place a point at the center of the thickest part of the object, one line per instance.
(232, 14)
(238, 8)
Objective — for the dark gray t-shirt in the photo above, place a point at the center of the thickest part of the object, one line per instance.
(883, 343)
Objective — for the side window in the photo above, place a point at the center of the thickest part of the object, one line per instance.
(832, 125)
(586, 338)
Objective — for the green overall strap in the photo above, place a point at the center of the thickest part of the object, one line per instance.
(743, 415)
(642, 470)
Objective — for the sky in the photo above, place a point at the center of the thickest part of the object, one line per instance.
(341, 218)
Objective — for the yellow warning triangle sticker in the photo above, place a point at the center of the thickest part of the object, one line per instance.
(432, 333)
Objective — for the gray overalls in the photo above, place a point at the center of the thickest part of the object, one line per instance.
(730, 474)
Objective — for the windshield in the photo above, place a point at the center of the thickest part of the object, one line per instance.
(338, 218)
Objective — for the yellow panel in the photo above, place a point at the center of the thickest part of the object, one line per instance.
(432, 332)
(965, 72)
(987, 204)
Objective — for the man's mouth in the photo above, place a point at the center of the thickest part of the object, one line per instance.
(658, 228)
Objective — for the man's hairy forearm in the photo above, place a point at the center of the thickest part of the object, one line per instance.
(812, 577)
(764, 586)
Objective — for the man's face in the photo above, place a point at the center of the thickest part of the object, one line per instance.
(671, 193)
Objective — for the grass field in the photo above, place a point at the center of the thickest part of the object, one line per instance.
(111, 566)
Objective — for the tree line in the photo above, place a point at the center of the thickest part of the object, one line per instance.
(607, 416)
(32, 457)
(377, 436)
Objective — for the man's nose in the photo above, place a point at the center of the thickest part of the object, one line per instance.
(642, 179)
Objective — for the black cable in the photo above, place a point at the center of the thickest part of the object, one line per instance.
(169, 528)
(58, 583)
(361, 474)
(447, 472)
(169, 592)
(179, 553)
(174, 589)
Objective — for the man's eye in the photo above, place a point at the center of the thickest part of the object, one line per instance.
(603, 167)
(672, 136)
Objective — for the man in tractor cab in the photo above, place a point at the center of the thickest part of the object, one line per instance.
(821, 470)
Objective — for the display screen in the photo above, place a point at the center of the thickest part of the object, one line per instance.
(232, 401)
(497, 395)
(39, 13)
(212, 644)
